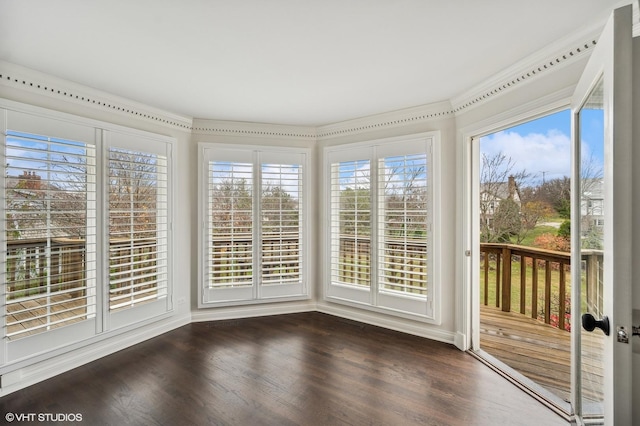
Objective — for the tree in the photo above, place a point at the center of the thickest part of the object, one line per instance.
(405, 197)
(556, 193)
(497, 174)
(506, 222)
(530, 215)
(133, 190)
(280, 212)
(231, 206)
(355, 211)
(565, 230)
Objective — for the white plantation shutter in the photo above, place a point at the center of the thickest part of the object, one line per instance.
(351, 222)
(403, 218)
(85, 229)
(281, 232)
(49, 238)
(230, 220)
(380, 225)
(254, 215)
(138, 217)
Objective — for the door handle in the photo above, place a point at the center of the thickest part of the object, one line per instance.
(635, 330)
(589, 323)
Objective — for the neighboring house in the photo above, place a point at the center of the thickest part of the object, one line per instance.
(27, 199)
(492, 194)
(592, 204)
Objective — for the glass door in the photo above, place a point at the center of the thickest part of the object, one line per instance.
(602, 229)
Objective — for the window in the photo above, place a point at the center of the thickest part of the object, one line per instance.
(231, 220)
(253, 210)
(84, 231)
(137, 227)
(138, 179)
(50, 234)
(351, 224)
(403, 219)
(381, 238)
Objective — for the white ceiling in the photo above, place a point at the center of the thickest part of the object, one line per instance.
(303, 62)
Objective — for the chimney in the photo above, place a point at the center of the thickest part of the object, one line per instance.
(512, 187)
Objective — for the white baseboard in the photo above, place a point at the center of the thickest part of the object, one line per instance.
(461, 341)
(386, 321)
(249, 311)
(28, 375)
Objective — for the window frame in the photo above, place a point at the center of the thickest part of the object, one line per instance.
(374, 298)
(257, 156)
(34, 120)
(149, 144)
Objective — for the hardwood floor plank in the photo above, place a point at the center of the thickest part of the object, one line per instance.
(298, 369)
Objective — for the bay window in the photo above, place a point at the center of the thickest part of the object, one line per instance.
(381, 237)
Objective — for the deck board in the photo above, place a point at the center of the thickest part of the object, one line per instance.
(26, 314)
(538, 351)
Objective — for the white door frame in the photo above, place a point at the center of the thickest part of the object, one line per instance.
(468, 256)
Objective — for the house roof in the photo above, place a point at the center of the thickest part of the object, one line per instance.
(498, 190)
(308, 62)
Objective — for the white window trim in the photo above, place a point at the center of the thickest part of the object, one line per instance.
(258, 294)
(360, 298)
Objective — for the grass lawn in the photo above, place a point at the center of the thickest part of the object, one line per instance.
(541, 230)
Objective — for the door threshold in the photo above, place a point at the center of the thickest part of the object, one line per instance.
(539, 393)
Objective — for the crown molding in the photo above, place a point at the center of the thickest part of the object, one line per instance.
(19, 77)
(557, 55)
(262, 130)
(399, 118)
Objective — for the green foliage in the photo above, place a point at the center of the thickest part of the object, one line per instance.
(355, 211)
(592, 239)
(506, 220)
(563, 207)
(565, 229)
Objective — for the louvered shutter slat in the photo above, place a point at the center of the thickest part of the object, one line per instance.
(138, 218)
(403, 217)
(230, 210)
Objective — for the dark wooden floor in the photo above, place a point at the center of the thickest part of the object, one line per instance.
(298, 369)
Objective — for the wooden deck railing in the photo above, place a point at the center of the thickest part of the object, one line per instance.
(37, 266)
(405, 262)
(540, 279)
(537, 279)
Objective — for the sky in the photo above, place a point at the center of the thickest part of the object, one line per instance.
(542, 147)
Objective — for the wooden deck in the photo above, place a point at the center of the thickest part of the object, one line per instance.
(31, 316)
(538, 351)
